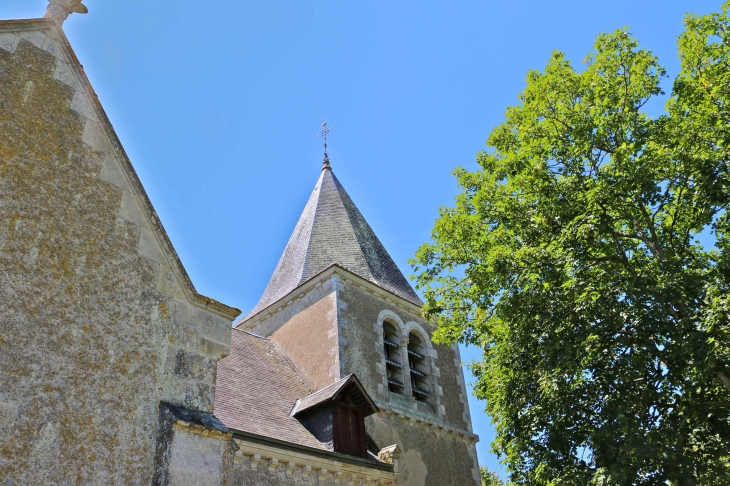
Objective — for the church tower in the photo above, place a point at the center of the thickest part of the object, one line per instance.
(337, 304)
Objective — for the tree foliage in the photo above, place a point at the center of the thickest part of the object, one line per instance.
(489, 478)
(572, 258)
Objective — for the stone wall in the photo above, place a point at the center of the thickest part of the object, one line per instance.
(98, 321)
(361, 314)
(431, 455)
(304, 327)
(310, 340)
(193, 449)
(196, 460)
(267, 465)
(434, 436)
(438, 446)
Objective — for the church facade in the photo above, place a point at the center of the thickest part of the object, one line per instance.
(114, 370)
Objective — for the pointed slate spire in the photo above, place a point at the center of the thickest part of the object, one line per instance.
(330, 231)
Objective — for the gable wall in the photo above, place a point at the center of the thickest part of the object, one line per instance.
(95, 327)
(304, 328)
(309, 339)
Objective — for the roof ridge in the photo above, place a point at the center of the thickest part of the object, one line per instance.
(351, 218)
(309, 225)
(328, 386)
(357, 219)
(339, 190)
(250, 333)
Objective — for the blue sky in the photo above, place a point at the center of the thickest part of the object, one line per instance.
(217, 104)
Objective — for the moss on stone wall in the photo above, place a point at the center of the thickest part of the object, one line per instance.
(88, 344)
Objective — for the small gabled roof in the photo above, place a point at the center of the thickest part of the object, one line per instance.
(331, 230)
(349, 385)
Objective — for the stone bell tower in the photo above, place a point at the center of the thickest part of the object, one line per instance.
(337, 304)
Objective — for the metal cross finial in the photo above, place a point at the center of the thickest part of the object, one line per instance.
(323, 133)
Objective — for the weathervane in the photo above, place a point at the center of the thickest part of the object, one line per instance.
(323, 133)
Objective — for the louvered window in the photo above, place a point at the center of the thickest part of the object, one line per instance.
(393, 361)
(418, 364)
(348, 428)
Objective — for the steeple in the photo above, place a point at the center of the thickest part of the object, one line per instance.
(332, 231)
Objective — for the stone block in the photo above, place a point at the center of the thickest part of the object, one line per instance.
(80, 105)
(182, 477)
(95, 137)
(149, 247)
(112, 173)
(206, 324)
(216, 329)
(209, 480)
(130, 210)
(214, 349)
(63, 73)
(199, 396)
(52, 47)
(7, 416)
(168, 284)
(193, 366)
(174, 391)
(34, 37)
(202, 454)
(9, 42)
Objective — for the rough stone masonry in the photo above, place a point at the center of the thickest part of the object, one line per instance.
(98, 321)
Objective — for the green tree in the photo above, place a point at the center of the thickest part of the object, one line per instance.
(571, 257)
(489, 478)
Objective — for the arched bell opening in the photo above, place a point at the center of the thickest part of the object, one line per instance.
(419, 368)
(393, 357)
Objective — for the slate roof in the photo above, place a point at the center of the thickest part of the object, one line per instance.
(331, 230)
(256, 389)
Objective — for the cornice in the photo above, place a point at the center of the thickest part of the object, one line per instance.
(424, 422)
(341, 468)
